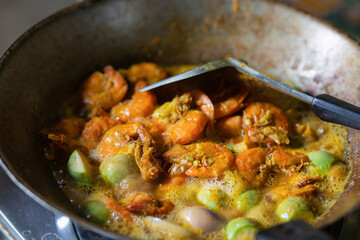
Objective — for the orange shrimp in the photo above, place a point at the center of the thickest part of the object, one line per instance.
(229, 127)
(264, 122)
(65, 134)
(231, 105)
(98, 112)
(147, 204)
(202, 101)
(171, 112)
(204, 160)
(116, 139)
(71, 127)
(187, 129)
(170, 182)
(249, 164)
(119, 210)
(103, 90)
(297, 185)
(132, 138)
(172, 116)
(149, 72)
(141, 104)
(253, 164)
(288, 163)
(95, 129)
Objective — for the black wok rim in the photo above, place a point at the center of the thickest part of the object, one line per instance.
(28, 190)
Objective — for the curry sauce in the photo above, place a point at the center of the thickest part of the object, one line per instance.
(219, 159)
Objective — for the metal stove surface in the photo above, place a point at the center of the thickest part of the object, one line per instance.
(23, 218)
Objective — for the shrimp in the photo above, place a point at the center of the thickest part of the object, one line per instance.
(147, 204)
(289, 163)
(65, 134)
(98, 112)
(148, 72)
(95, 129)
(297, 185)
(204, 160)
(263, 122)
(231, 105)
(253, 164)
(170, 182)
(249, 164)
(187, 129)
(132, 138)
(202, 101)
(171, 112)
(71, 127)
(174, 122)
(119, 210)
(229, 127)
(103, 90)
(141, 104)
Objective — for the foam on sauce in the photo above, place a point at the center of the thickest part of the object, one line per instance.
(329, 137)
(231, 183)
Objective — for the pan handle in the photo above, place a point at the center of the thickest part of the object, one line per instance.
(334, 110)
(296, 230)
(87, 2)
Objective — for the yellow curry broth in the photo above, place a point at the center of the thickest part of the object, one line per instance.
(274, 183)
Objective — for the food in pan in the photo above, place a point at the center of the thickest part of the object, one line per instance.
(221, 159)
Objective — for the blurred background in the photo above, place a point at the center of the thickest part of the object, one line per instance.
(16, 16)
(344, 14)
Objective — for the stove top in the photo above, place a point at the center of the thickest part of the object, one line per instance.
(23, 218)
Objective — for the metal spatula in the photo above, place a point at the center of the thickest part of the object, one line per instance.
(326, 107)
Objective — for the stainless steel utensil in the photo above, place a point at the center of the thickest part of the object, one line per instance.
(324, 106)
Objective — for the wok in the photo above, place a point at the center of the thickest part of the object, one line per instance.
(47, 63)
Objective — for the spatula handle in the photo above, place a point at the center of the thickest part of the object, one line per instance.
(331, 109)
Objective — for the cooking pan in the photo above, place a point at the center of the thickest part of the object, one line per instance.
(47, 63)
